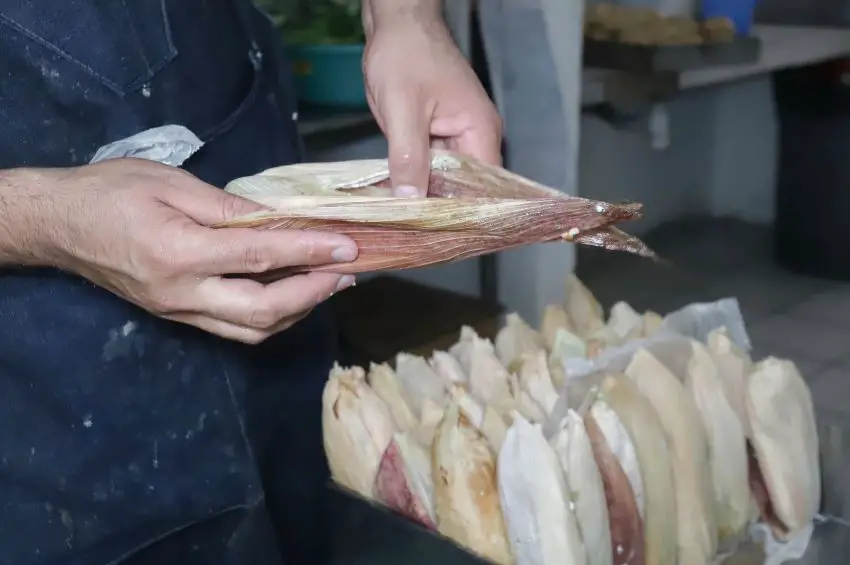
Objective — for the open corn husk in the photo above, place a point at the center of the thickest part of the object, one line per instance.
(462, 350)
(688, 448)
(645, 432)
(539, 515)
(733, 368)
(555, 318)
(449, 369)
(357, 427)
(726, 442)
(574, 451)
(516, 339)
(533, 377)
(624, 322)
(652, 322)
(466, 498)
(586, 314)
(784, 465)
(472, 209)
(383, 381)
(623, 494)
(489, 380)
(432, 415)
(405, 482)
(419, 381)
(483, 417)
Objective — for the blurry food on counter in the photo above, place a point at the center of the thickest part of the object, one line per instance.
(661, 460)
(636, 25)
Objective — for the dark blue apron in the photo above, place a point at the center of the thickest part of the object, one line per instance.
(125, 438)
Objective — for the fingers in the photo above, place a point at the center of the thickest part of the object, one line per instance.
(253, 305)
(206, 204)
(246, 251)
(235, 332)
(483, 142)
(407, 127)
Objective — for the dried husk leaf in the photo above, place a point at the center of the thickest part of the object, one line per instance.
(688, 448)
(652, 322)
(432, 415)
(574, 451)
(419, 381)
(567, 346)
(472, 209)
(625, 522)
(466, 498)
(383, 381)
(785, 441)
(357, 427)
(534, 378)
(405, 482)
(555, 318)
(488, 378)
(515, 339)
(586, 314)
(624, 322)
(733, 368)
(523, 403)
(535, 500)
(449, 369)
(641, 421)
(484, 418)
(726, 444)
(462, 350)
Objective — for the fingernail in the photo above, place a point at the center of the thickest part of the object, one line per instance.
(406, 191)
(345, 282)
(344, 254)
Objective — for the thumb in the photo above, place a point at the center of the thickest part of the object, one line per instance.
(407, 126)
(208, 205)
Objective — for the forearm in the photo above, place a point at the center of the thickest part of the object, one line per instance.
(24, 217)
(379, 12)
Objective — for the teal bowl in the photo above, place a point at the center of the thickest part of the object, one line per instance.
(329, 75)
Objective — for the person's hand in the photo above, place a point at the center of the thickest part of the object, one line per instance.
(138, 229)
(424, 94)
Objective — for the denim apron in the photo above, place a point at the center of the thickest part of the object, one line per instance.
(126, 439)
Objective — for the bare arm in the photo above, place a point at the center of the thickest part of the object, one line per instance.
(378, 12)
(24, 209)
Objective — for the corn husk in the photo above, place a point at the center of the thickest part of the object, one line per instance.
(449, 369)
(419, 381)
(625, 517)
(688, 448)
(542, 526)
(432, 415)
(472, 209)
(727, 445)
(785, 442)
(516, 339)
(405, 483)
(489, 380)
(646, 433)
(554, 318)
(567, 346)
(624, 322)
(383, 381)
(484, 418)
(462, 350)
(652, 322)
(533, 377)
(357, 427)
(733, 368)
(466, 498)
(574, 451)
(585, 312)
